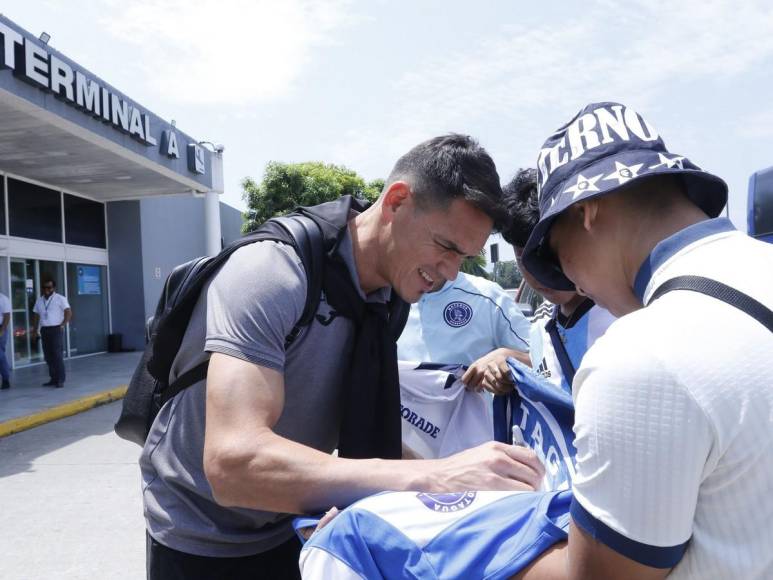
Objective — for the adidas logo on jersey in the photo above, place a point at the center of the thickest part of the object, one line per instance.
(543, 369)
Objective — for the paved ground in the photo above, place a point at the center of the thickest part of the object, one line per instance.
(85, 376)
(70, 501)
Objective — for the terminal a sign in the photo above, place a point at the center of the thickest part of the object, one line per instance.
(37, 66)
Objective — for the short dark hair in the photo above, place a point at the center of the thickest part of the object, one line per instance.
(522, 203)
(49, 281)
(452, 167)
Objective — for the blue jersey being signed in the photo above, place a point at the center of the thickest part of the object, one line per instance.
(545, 414)
(484, 534)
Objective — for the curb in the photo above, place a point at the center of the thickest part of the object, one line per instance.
(61, 411)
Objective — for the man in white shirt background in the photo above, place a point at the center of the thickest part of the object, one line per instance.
(53, 312)
(5, 368)
(469, 321)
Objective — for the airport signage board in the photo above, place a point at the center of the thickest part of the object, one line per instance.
(46, 69)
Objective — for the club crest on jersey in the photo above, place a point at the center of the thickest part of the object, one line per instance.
(457, 314)
(447, 502)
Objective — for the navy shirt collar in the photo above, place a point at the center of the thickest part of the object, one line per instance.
(673, 244)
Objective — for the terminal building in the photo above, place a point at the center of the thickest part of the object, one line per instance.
(96, 193)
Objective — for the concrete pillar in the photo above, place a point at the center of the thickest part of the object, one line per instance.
(212, 205)
(212, 222)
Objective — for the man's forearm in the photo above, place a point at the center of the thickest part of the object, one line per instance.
(248, 465)
(283, 476)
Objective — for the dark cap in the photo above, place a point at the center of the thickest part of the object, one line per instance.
(604, 148)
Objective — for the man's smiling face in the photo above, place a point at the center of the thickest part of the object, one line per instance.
(429, 245)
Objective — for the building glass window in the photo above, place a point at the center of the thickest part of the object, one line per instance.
(87, 295)
(34, 211)
(84, 222)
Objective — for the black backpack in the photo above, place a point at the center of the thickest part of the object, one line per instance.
(149, 388)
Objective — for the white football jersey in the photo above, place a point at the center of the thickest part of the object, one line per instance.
(440, 416)
(674, 417)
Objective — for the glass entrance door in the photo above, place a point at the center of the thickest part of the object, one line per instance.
(26, 276)
(24, 290)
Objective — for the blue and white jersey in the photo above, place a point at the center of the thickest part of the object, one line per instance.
(440, 416)
(484, 534)
(463, 321)
(474, 534)
(545, 415)
(587, 325)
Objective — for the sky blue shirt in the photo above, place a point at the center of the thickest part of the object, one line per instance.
(463, 321)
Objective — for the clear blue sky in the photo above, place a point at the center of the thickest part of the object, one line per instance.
(358, 83)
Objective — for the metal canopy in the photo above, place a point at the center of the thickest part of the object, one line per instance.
(36, 145)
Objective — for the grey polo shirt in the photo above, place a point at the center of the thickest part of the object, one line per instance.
(246, 311)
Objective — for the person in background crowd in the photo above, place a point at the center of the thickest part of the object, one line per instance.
(53, 313)
(568, 323)
(469, 321)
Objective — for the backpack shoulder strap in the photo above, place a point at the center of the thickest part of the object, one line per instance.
(720, 291)
(309, 244)
(306, 238)
(567, 368)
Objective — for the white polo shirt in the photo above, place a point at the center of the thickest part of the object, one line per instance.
(674, 417)
(463, 321)
(51, 309)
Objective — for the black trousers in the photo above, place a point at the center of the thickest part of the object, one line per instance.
(281, 563)
(52, 337)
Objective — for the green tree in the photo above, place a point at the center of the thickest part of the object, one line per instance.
(475, 265)
(507, 274)
(373, 189)
(285, 186)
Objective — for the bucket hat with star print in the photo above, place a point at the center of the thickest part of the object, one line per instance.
(604, 148)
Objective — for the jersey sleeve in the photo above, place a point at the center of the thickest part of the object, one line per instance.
(512, 327)
(253, 303)
(36, 309)
(65, 304)
(643, 444)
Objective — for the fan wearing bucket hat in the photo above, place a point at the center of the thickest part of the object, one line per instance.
(674, 404)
